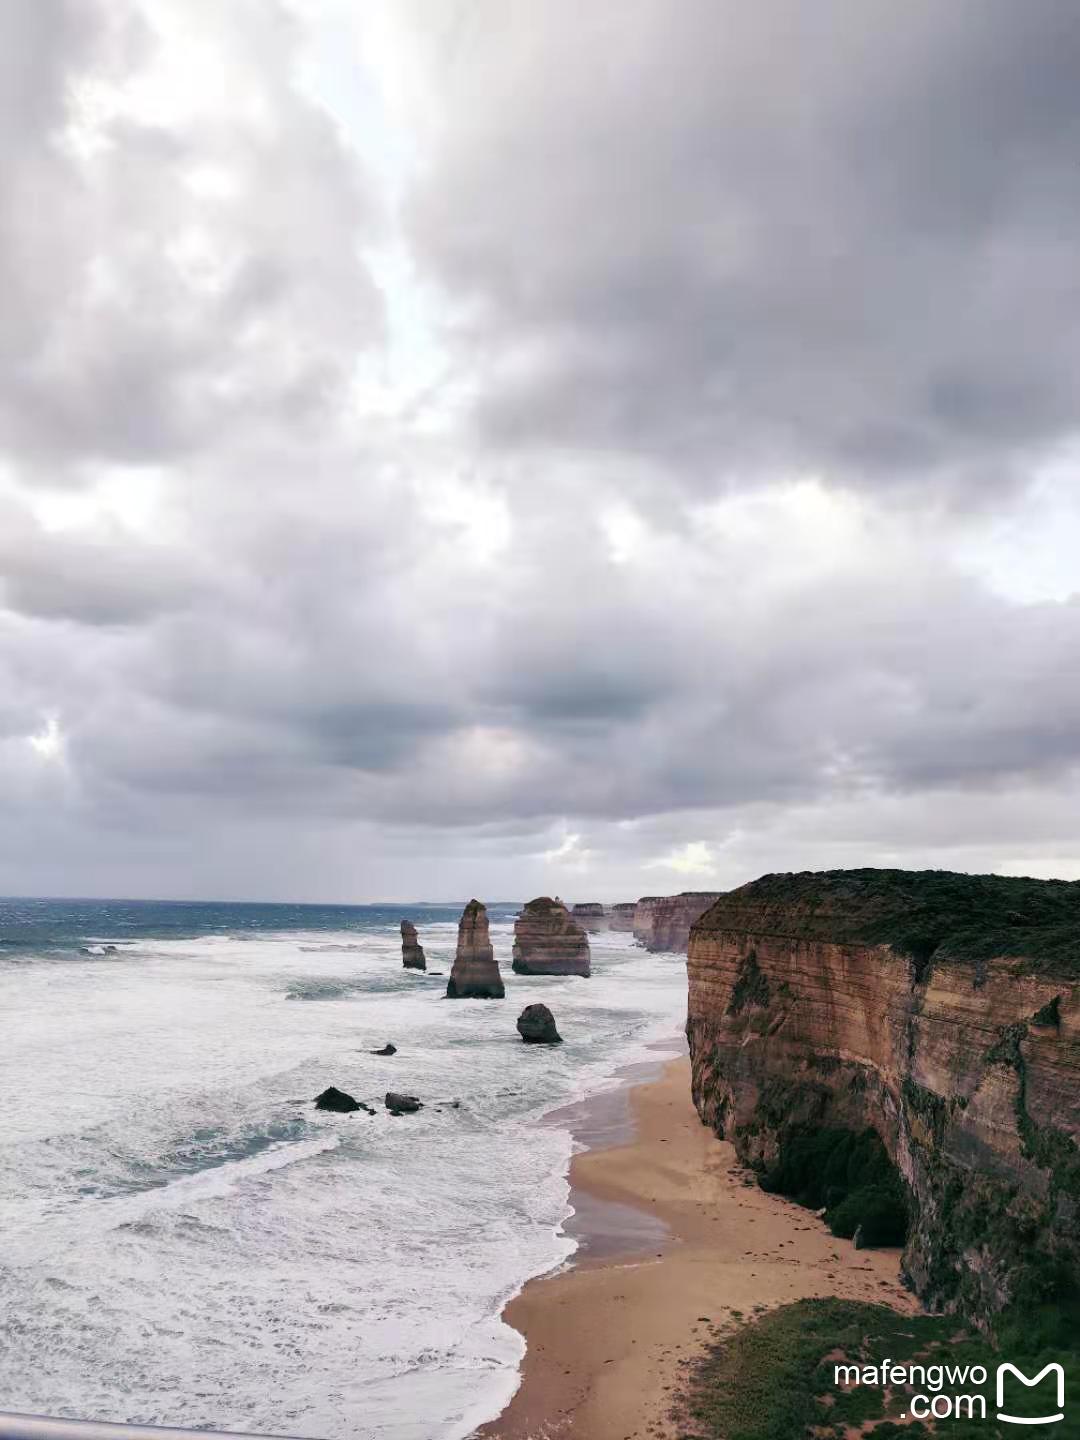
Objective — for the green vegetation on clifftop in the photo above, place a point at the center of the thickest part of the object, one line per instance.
(924, 914)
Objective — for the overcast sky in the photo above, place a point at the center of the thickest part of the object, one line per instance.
(481, 446)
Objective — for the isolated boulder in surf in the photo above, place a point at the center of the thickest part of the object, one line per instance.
(387, 1049)
(475, 975)
(412, 952)
(536, 1026)
(402, 1104)
(334, 1099)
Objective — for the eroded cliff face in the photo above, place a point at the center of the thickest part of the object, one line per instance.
(663, 922)
(621, 916)
(547, 941)
(851, 999)
(475, 972)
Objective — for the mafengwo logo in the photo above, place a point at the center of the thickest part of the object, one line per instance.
(1055, 1370)
(957, 1392)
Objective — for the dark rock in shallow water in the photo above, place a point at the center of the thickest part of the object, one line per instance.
(536, 1026)
(402, 1104)
(387, 1049)
(334, 1099)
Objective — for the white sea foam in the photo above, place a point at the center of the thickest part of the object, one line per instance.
(187, 1241)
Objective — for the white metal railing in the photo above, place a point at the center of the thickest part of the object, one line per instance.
(47, 1427)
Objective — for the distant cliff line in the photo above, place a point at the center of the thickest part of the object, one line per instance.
(941, 1012)
(659, 922)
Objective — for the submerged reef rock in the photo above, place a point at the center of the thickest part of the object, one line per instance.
(916, 1037)
(621, 916)
(475, 972)
(592, 917)
(334, 1099)
(664, 922)
(536, 1026)
(402, 1104)
(547, 941)
(412, 952)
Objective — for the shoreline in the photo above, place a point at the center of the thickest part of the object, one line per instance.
(675, 1241)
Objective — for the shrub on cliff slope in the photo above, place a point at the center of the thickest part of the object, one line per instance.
(849, 1174)
(774, 1378)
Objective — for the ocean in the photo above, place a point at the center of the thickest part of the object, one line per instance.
(185, 1240)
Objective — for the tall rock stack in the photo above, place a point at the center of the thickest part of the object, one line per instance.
(591, 916)
(548, 941)
(412, 952)
(475, 974)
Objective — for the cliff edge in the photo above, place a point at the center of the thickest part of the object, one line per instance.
(940, 1011)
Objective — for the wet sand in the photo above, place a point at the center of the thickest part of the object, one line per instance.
(675, 1238)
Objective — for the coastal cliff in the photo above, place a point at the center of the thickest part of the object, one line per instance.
(941, 1011)
(621, 916)
(663, 922)
(475, 972)
(547, 941)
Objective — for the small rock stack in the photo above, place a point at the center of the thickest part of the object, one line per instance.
(475, 974)
(548, 941)
(412, 952)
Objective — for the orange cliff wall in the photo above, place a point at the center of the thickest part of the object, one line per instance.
(977, 1102)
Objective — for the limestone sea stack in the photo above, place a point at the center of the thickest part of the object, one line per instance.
(412, 952)
(591, 916)
(548, 941)
(475, 973)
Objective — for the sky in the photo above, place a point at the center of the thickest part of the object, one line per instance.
(474, 446)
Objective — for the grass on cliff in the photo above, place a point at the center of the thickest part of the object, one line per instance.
(774, 1377)
(925, 914)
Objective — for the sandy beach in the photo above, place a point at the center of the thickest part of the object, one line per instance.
(676, 1239)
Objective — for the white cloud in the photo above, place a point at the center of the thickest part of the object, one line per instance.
(693, 858)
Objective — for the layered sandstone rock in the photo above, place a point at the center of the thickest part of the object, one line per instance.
(412, 952)
(475, 973)
(592, 917)
(941, 1010)
(621, 916)
(663, 922)
(548, 941)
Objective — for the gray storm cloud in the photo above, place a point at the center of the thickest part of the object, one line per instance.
(683, 260)
(738, 238)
